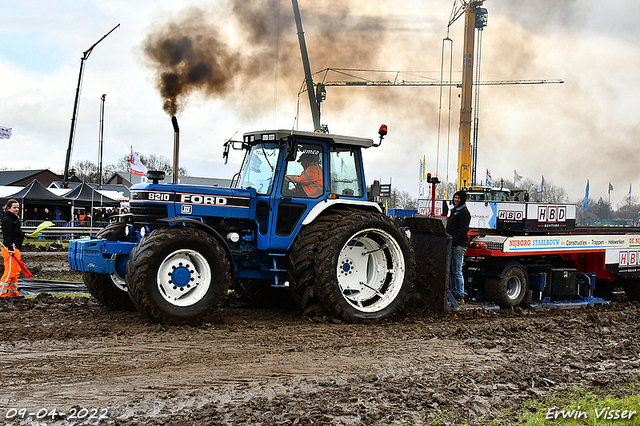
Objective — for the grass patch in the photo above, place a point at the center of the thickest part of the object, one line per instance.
(585, 408)
(33, 296)
(43, 243)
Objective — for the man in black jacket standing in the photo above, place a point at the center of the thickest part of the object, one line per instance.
(458, 228)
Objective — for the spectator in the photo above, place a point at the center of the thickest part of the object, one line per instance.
(458, 229)
(47, 214)
(57, 214)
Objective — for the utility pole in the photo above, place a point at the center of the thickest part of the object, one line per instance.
(74, 117)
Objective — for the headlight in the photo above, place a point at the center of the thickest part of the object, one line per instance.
(144, 231)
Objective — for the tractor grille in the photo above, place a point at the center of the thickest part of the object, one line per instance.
(147, 213)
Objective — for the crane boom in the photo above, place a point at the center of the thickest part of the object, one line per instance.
(417, 83)
(464, 139)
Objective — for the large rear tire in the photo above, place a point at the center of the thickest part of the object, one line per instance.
(111, 290)
(178, 275)
(365, 266)
(302, 262)
(632, 288)
(508, 291)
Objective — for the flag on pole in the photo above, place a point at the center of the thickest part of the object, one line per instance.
(610, 187)
(585, 202)
(5, 132)
(517, 179)
(424, 169)
(628, 197)
(541, 187)
(488, 178)
(137, 168)
(421, 184)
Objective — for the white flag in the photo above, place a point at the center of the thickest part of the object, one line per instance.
(5, 132)
(541, 187)
(137, 168)
(517, 179)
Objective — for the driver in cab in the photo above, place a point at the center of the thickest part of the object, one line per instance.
(309, 183)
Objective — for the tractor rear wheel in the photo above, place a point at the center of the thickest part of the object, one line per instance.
(111, 290)
(508, 291)
(302, 261)
(178, 275)
(364, 266)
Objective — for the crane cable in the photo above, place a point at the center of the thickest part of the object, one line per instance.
(442, 57)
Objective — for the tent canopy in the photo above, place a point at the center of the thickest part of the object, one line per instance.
(36, 194)
(85, 196)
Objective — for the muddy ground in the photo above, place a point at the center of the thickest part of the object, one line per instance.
(275, 367)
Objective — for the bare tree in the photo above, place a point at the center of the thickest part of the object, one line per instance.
(86, 171)
(151, 162)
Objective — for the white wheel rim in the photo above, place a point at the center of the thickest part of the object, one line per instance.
(117, 279)
(514, 287)
(184, 277)
(370, 270)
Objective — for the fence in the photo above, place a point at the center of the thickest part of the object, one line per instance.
(64, 230)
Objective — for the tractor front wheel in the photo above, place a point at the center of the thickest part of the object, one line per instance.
(178, 275)
(111, 290)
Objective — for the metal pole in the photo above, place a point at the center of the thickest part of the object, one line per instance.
(315, 109)
(101, 142)
(74, 117)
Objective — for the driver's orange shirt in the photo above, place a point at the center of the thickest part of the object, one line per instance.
(311, 180)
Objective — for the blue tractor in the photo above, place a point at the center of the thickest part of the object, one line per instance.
(297, 217)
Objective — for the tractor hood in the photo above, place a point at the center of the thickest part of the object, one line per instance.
(193, 200)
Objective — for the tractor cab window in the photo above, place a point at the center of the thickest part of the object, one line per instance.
(304, 176)
(259, 167)
(346, 179)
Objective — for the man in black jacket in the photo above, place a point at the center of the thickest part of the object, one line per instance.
(458, 228)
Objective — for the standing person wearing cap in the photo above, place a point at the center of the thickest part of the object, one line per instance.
(13, 238)
(309, 182)
(458, 229)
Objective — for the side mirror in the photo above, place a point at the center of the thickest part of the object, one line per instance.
(375, 188)
(290, 148)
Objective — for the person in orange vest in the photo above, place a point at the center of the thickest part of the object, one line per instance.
(309, 182)
(13, 238)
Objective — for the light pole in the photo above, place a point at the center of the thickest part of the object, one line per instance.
(101, 144)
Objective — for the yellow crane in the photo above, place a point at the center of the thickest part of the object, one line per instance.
(474, 17)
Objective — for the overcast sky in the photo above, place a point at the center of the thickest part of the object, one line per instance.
(586, 128)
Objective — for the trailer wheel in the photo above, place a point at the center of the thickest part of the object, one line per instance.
(632, 288)
(111, 290)
(178, 275)
(365, 266)
(508, 291)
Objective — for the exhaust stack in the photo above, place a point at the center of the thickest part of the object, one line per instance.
(176, 147)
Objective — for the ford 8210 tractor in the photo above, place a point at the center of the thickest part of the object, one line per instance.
(174, 256)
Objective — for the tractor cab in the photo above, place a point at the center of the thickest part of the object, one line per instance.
(297, 175)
